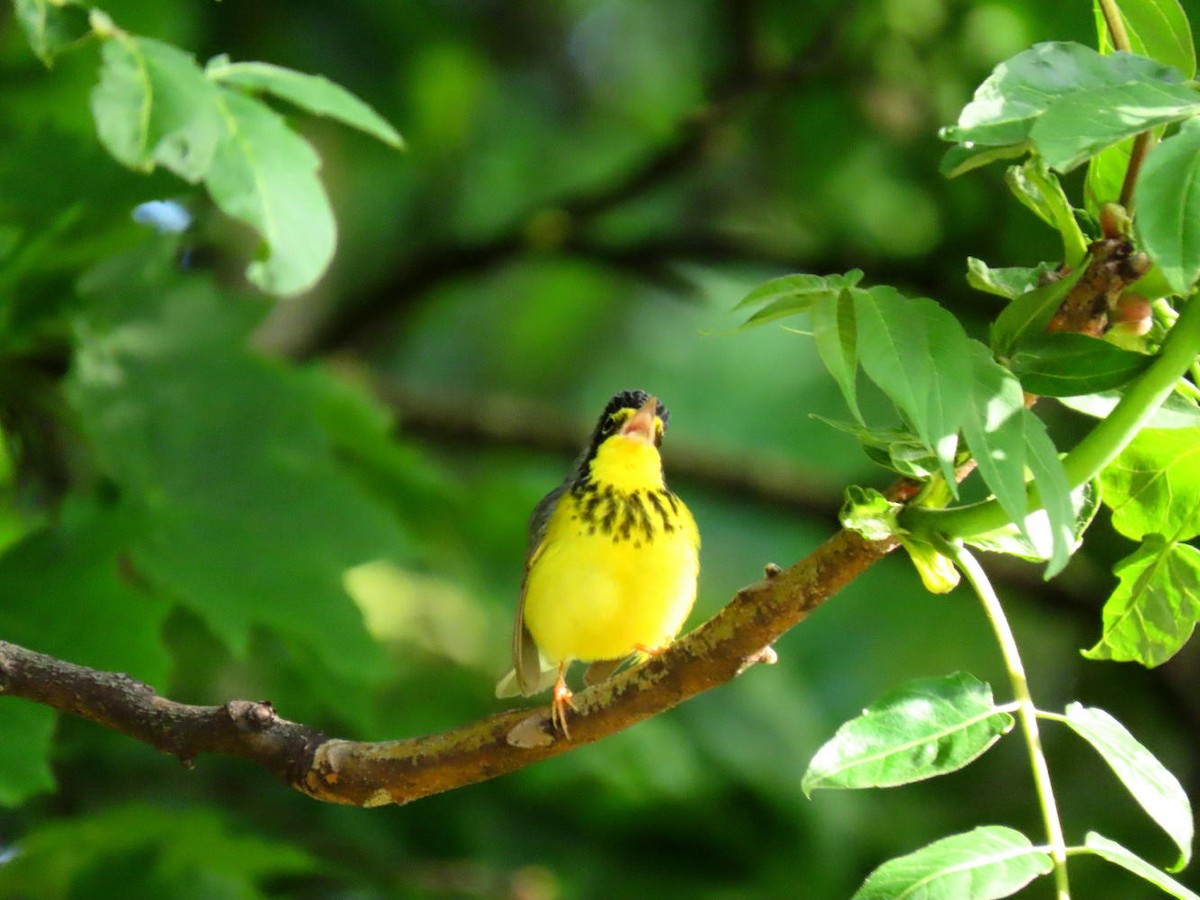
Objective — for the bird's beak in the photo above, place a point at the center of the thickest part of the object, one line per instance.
(641, 425)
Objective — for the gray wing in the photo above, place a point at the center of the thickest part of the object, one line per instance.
(527, 661)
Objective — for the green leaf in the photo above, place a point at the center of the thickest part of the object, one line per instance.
(153, 106)
(1029, 313)
(1022, 88)
(1167, 223)
(994, 431)
(1010, 282)
(1153, 486)
(1039, 190)
(868, 512)
(938, 572)
(181, 851)
(66, 590)
(961, 159)
(1118, 855)
(1038, 536)
(835, 332)
(793, 294)
(893, 448)
(26, 738)
(1067, 364)
(922, 729)
(1078, 126)
(917, 353)
(51, 28)
(264, 174)
(1155, 607)
(1054, 494)
(312, 93)
(1148, 780)
(1176, 411)
(1157, 29)
(1106, 175)
(228, 470)
(984, 864)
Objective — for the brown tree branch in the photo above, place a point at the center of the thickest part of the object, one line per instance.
(376, 773)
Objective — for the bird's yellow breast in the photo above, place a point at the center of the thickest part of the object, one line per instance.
(617, 566)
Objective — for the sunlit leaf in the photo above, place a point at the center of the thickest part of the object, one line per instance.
(868, 512)
(1054, 494)
(1022, 88)
(1126, 859)
(264, 174)
(993, 428)
(919, 730)
(312, 93)
(937, 571)
(153, 106)
(835, 332)
(1153, 486)
(792, 294)
(1176, 411)
(917, 353)
(985, 864)
(1010, 282)
(1156, 605)
(1075, 127)
(1038, 545)
(1148, 780)
(1167, 223)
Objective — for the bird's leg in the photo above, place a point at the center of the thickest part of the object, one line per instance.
(560, 700)
(651, 651)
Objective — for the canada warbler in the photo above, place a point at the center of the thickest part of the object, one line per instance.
(612, 561)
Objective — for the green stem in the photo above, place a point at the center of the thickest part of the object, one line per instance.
(1026, 712)
(1108, 437)
(1144, 141)
(1116, 25)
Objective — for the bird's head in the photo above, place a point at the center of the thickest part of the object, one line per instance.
(628, 434)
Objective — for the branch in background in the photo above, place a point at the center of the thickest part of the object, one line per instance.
(496, 420)
(375, 773)
(359, 319)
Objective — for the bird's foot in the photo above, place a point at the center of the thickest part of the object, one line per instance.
(651, 651)
(559, 703)
(560, 700)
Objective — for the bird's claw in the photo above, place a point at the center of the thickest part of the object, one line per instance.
(559, 703)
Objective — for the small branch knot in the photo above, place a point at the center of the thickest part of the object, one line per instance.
(766, 657)
(251, 715)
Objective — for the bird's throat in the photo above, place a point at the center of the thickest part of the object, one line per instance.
(627, 464)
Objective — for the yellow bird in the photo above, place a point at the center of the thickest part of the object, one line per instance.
(612, 562)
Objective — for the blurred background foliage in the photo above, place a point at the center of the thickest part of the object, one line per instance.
(322, 501)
